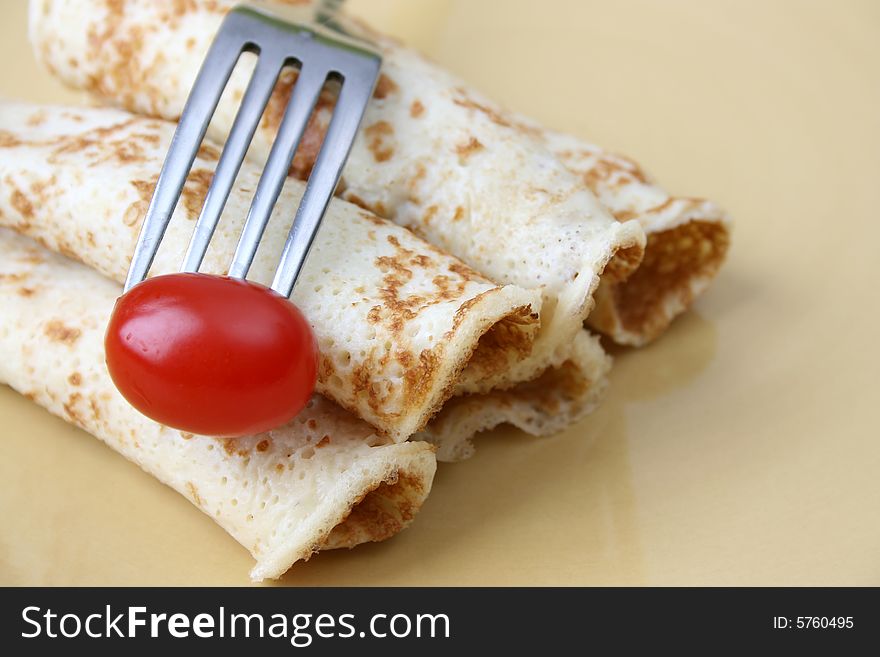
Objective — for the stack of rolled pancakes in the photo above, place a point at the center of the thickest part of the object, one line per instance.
(453, 286)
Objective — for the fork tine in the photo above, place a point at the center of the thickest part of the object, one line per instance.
(347, 114)
(207, 89)
(250, 111)
(305, 95)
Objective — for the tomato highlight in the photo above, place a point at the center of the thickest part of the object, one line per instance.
(211, 355)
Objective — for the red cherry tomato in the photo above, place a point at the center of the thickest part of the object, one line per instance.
(210, 354)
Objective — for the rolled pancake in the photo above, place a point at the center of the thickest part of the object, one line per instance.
(543, 406)
(78, 180)
(325, 480)
(396, 319)
(687, 241)
(433, 155)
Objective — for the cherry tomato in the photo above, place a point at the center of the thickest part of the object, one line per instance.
(210, 354)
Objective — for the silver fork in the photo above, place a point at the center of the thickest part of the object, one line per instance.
(278, 37)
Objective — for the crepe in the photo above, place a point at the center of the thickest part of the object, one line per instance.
(78, 180)
(559, 397)
(687, 241)
(325, 480)
(396, 319)
(432, 155)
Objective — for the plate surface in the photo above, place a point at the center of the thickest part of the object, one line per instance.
(742, 448)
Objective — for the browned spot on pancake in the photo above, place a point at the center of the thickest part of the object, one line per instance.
(209, 152)
(465, 308)
(385, 86)
(22, 204)
(233, 446)
(153, 138)
(75, 379)
(313, 137)
(429, 214)
(96, 409)
(373, 219)
(145, 187)
(468, 273)
(137, 210)
(325, 440)
(126, 69)
(134, 213)
(263, 445)
(181, 7)
(34, 257)
(362, 386)
(38, 118)
(459, 214)
(39, 187)
(412, 184)
(107, 148)
(61, 246)
(279, 467)
(463, 99)
(528, 129)
(193, 493)
(13, 278)
(186, 435)
(64, 248)
(8, 140)
(446, 289)
(26, 291)
(312, 424)
(377, 210)
(374, 316)
(326, 368)
(71, 411)
(127, 150)
(467, 149)
(419, 374)
(611, 172)
(378, 136)
(396, 274)
(195, 190)
(56, 331)
(416, 109)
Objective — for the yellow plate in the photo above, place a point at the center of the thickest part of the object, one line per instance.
(742, 448)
